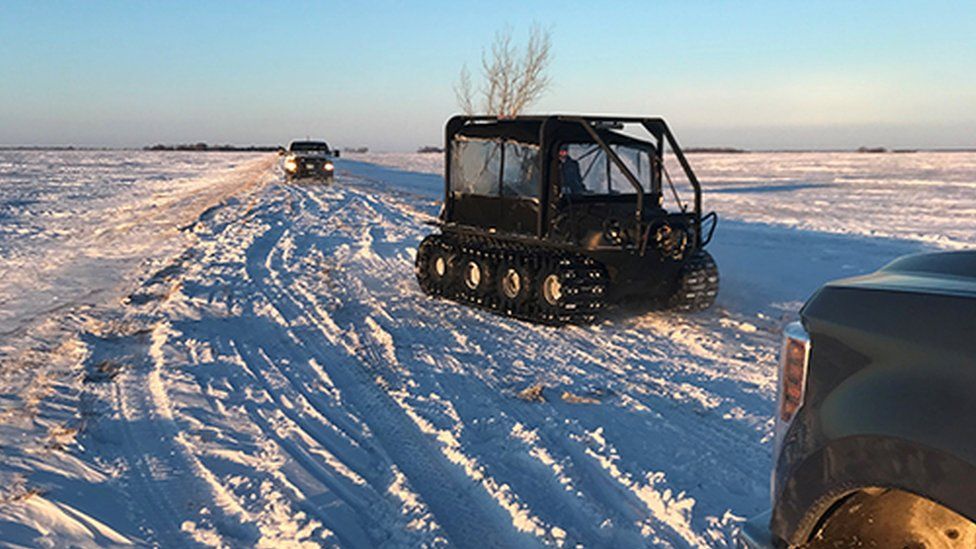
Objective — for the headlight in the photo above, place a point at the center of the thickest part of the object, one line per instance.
(291, 165)
(328, 166)
(793, 363)
(671, 242)
(613, 232)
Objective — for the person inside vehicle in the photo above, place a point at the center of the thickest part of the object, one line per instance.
(569, 173)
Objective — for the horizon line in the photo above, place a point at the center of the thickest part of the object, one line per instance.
(692, 149)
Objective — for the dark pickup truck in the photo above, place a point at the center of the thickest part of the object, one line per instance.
(310, 159)
(876, 418)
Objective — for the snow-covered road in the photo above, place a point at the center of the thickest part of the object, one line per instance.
(282, 379)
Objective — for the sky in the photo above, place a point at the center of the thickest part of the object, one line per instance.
(750, 74)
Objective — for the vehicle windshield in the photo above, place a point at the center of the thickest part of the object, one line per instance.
(308, 146)
(585, 169)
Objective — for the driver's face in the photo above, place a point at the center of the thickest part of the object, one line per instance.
(563, 154)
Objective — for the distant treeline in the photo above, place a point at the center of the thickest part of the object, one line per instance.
(216, 148)
(52, 148)
(359, 150)
(430, 149)
(722, 150)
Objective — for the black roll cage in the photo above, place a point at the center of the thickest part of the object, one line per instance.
(656, 127)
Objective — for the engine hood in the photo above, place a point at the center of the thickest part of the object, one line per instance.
(943, 273)
(917, 310)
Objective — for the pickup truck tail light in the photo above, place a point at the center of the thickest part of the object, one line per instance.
(793, 364)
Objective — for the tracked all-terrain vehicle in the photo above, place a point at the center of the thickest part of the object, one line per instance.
(550, 218)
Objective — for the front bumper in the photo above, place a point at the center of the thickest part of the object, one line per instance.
(755, 533)
(311, 167)
(301, 174)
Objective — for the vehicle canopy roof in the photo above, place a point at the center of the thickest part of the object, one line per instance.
(528, 130)
(301, 146)
(562, 130)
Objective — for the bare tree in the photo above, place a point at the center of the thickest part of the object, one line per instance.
(512, 80)
(463, 91)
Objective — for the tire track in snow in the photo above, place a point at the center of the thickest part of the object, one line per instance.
(378, 355)
(166, 473)
(293, 420)
(171, 484)
(406, 339)
(467, 518)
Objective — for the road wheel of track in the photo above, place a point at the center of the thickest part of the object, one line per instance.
(476, 275)
(550, 294)
(552, 289)
(435, 266)
(514, 283)
(697, 284)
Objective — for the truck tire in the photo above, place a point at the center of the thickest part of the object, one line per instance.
(696, 286)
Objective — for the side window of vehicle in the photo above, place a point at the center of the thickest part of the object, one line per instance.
(521, 177)
(475, 166)
(592, 164)
(638, 162)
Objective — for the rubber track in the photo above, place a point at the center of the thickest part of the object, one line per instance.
(584, 280)
(697, 286)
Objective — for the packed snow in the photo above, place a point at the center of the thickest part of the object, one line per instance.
(196, 353)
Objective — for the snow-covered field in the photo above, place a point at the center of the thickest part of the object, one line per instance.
(917, 196)
(195, 353)
(76, 224)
